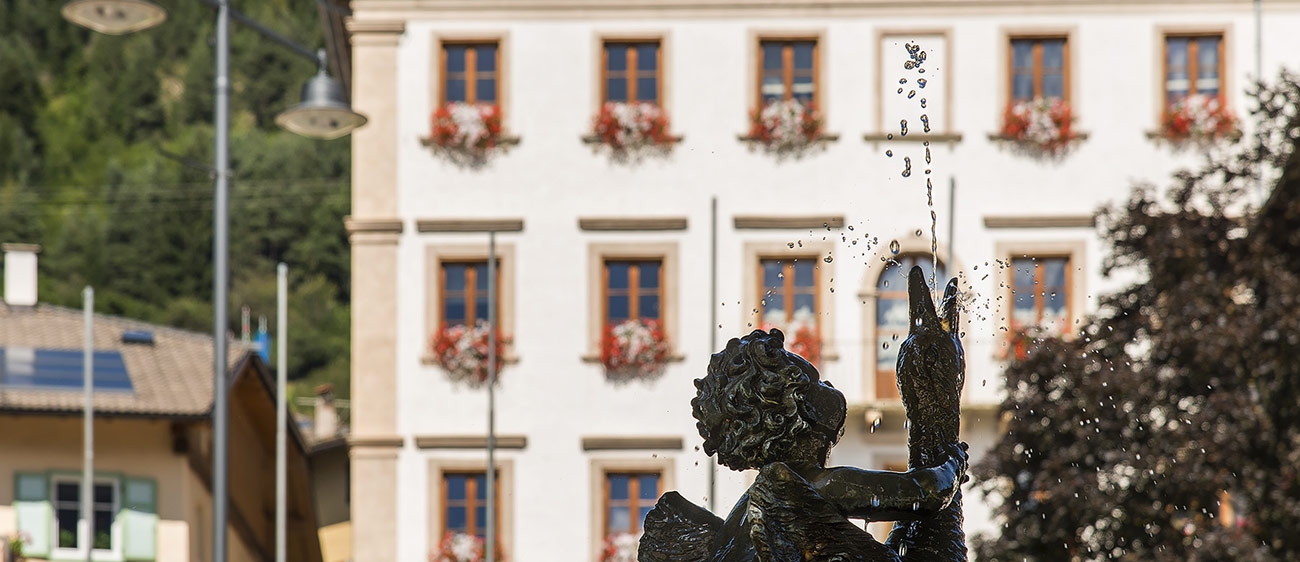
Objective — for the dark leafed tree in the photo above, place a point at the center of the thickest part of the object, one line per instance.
(1168, 428)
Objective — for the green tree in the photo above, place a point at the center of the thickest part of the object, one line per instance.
(1179, 395)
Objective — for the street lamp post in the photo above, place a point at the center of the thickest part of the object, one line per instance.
(324, 113)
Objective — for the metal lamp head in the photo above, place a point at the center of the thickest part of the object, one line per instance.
(323, 114)
(114, 17)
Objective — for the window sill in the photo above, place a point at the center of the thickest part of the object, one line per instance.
(506, 140)
(1082, 136)
(1161, 136)
(826, 137)
(428, 359)
(595, 358)
(593, 139)
(931, 137)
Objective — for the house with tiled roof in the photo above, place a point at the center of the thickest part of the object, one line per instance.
(153, 388)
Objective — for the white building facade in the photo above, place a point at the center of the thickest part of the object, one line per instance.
(588, 236)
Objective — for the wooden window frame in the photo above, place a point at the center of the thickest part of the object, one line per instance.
(1192, 63)
(470, 501)
(1038, 38)
(634, 501)
(632, 72)
(471, 289)
(633, 290)
(471, 58)
(788, 289)
(438, 253)
(787, 66)
(505, 498)
(1038, 282)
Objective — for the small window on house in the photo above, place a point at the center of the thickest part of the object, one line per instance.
(892, 316)
(464, 503)
(67, 511)
(631, 71)
(629, 496)
(464, 292)
(469, 72)
(1040, 296)
(788, 296)
(633, 290)
(787, 70)
(1039, 68)
(1193, 65)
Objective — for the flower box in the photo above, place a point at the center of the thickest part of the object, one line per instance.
(463, 352)
(1042, 125)
(1198, 119)
(466, 128)
(787, 125)
(462, 547)
(634, 349)
(629, 126)
(620, 547)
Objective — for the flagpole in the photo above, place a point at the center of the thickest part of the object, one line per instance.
(489, 545)
(88, 422)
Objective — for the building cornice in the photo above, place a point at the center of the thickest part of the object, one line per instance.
(375, 32)
(1042, 221)
(631, 223)
(469, 441)
(607, 443)
(469, 225)
(788, 222)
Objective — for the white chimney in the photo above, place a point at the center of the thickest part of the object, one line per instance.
(20, 274)
(327, 417)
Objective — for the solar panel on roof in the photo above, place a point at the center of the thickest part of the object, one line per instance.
(28, 367)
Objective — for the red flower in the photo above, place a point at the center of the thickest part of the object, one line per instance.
(785, 124)
(462, 547)
(634, 348)
(463, 351)
(474, 128)
(1198, 118)
(1042, 123)
(622, 125)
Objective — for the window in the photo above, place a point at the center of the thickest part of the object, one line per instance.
(633, 290)
(892, 316)
(631, 71)
(787, 70)
(67, 511)
(1040, 293)
(1039, 68)
(1193, 65)
(464, 292)
(464, 503)
(469, 72)
(629, 496)
(789, 294)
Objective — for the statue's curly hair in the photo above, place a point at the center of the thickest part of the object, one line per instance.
(757, 406)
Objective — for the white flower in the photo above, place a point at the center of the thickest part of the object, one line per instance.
(634, 122)
(470, 121)
(785, 121)
(624, 547)
(1042, 129)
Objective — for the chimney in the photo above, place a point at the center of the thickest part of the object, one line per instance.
(20, 274)
(327, 417)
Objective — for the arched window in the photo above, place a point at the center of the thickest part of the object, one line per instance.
(892, 316)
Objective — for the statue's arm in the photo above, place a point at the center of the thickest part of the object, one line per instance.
(895, 496)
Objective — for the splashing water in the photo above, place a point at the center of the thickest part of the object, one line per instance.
(894, 248)
(922, 103)
(889, 153)
(902, 125)
(907, 166)
(911, 94)
(925, 122)
(920, 82)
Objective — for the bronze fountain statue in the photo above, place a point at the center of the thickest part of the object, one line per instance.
(763, 407)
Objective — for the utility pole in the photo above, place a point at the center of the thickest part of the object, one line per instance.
(489, 546)
(281, 401)
(88, 423)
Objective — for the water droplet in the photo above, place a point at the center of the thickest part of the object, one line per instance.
(900, 90)
(911, 94)
(920, 71)
(920, 82)
(925, 122)
(908, 65)
(907, 166)
(884, 345)
(893, 248)
(902, 80)
(902, 125)
(828, 259)
(889, 153)
(790, 244)
(922, 103)
(918, 232)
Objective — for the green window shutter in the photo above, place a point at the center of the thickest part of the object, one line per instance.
(139, 519)
(33, 511)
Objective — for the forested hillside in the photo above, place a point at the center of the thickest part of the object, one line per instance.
(102, 143)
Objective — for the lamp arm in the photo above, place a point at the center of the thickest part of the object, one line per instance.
(317, 57)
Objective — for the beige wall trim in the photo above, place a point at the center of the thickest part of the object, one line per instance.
(469, 441)
(469, 225)
(599, 467)
(506, 485)
(1045, 221)
(933, 137)
(606, 443)
(376, 226)
(632, 223)
(375, 32)
(376, 441)
(791, 222)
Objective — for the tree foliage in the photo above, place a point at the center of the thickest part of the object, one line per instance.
(1178, 401)
(103, 140)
